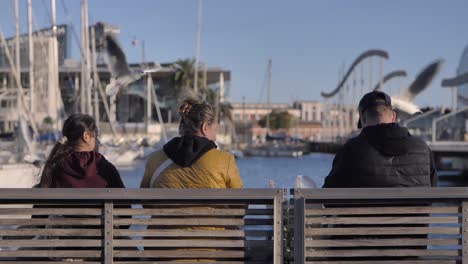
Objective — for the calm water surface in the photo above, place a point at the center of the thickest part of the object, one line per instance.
(257, 172)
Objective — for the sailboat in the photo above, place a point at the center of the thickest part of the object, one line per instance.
(274, 146)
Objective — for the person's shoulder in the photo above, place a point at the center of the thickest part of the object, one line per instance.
(218, 154)
(157, 156)
(417, 142)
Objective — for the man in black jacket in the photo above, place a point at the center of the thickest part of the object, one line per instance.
(384, 154)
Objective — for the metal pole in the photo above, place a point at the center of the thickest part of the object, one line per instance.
(57, 102)
(31, 60)
(371, 73)
(158, 110)
(148, 102)
(95, 76)
(381, 75)
(197, 51)
(88, 60)
(143, 57)
(454, 99)
(268, 94)
(83, 62)
(362, 80)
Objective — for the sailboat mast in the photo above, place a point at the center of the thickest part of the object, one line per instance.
(17, 52)
(197, 51)
(32, 103)
(268, 94)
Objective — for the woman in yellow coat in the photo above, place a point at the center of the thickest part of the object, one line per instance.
(192, 160)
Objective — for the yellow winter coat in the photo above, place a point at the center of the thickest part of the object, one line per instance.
(215, 169)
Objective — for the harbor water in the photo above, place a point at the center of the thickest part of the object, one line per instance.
(258, 172)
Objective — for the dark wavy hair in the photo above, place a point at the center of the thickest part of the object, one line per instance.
(72, 132)
(193, 115)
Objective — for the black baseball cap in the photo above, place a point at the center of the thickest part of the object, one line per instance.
(373, 99)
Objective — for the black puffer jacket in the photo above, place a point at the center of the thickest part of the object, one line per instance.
(384, 155)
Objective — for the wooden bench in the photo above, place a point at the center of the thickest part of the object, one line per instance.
(139, 226)
(397, 225)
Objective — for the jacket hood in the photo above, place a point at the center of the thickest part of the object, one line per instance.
(185, 150)
(389, 139)
(81, 170)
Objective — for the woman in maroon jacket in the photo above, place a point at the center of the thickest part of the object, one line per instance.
(75, 161)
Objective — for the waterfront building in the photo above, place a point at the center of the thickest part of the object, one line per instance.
(130, 107)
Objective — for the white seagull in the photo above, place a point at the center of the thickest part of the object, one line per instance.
(404, 100)
(122, 76)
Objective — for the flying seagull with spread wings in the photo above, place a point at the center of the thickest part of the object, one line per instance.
(122, 76)
(404, 100)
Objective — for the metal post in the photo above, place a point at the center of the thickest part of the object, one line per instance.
(83, 62)
(277, 228)
(268, 95)
(465, 232)
(371, 73)
(381, 74)
(454, 99)
(158, 110)
(362, 80)
(148, 103)
(32, 105)
(88, 60)
(108, 232)
(299, 227)
(197, 51)
(95, 77)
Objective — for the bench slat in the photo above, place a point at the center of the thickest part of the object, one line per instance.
(382, 220)
(193, 221)
(381, 253)
(50, 232)
(52, 253)
(383, 231)
(192, 243)
(384, 210)
(385, 262)
(380, 242)
(52, 221)
(191, 233)
(46, 243)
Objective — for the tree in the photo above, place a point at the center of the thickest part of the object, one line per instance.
(278, 120)
(184, 80)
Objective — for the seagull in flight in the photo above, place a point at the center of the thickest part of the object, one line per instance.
(122, 76)
(405, 100)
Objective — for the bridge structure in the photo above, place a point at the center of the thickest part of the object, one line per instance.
(340, 114)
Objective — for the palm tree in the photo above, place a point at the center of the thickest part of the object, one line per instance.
(184, 80)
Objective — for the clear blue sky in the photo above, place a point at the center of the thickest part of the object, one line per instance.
(307, 40)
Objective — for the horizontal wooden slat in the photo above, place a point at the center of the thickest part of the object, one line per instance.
(193, 221)
(191, 233)
(51, 243)
(383, 231)
(50, 232)
(384, 262)
(182, 212)
(190, 254)
(193, 211)
(192, 243)
(189, 262)
(380, 242)
(53, 262)
(50, 211)
(382, 220)
(52, 221)
(384, 210)
(52, 253)
(381, 253)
